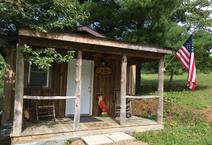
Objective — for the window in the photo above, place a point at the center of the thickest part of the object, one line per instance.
(38, 77)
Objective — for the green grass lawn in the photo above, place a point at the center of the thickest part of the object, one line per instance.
(183, 125)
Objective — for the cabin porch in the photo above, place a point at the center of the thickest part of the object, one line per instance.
(112, 78)
(63, 128)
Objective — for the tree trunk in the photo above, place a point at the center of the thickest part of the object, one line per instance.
(171, 76)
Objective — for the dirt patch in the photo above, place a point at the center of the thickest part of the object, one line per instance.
(145, 106)
(207, 113)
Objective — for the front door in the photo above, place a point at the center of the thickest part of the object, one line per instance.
(87, 87)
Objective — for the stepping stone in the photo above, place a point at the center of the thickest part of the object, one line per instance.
(96, 140)
(119, 136)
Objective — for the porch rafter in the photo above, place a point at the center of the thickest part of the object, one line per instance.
(67, 45)
(92, 41)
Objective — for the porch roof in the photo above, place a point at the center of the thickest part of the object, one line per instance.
(75, 39)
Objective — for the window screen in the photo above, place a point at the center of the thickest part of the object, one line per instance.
(38, 77)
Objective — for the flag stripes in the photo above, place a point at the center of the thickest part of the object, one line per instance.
(186, 56)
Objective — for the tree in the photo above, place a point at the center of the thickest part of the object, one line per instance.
(48, 15)
(163, 23)
(40, 15)
(155, 22)
(193, 16)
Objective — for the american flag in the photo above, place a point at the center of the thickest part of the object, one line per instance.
(186, 56)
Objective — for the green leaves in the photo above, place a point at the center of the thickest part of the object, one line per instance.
(43, 58)
(43, 15)
(3, 66)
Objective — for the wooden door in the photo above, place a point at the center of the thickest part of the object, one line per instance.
(87, 87)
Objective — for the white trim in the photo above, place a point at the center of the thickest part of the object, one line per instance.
(91, 87)
(142, 97)
(48, 97)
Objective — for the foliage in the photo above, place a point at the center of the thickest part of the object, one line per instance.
(155, 22)
(203, 47)
(3, 67)
(68, 141)
(145, 114)
(48, 15)
(152, 22)
(183, 125)
(43, 58)
(41, 15)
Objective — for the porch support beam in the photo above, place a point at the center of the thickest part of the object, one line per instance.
(19, 92)
(132, 79)
(123, 90)
(78, 90)
(160, 91)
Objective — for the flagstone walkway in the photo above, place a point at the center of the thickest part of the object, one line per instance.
(107, 138)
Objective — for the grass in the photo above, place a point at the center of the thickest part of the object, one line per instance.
(183, 126)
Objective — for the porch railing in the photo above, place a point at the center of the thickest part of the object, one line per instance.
(49, 97)
(142, 97)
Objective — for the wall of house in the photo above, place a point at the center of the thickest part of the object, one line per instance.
(57, 87)
(106, 82)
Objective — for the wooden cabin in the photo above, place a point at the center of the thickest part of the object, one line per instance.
(101, 67)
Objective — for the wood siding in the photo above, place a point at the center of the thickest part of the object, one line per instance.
(106, 84)
(57, 87)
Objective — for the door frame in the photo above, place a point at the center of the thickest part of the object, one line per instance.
(91, 89)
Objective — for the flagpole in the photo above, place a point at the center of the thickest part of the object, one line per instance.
(164, 69)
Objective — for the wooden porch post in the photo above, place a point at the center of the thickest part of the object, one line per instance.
(78, 90)
(123, 90)
(160, 91)
(19, 92)
(132, 79)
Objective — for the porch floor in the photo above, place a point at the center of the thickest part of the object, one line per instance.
(66, 125)
(63, 128)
